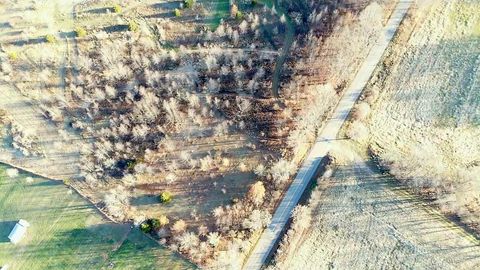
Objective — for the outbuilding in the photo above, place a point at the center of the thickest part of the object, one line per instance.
(18, 231)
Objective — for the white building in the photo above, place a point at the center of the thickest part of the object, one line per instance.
(18, 231)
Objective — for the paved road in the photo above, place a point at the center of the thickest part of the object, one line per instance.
(322, 146)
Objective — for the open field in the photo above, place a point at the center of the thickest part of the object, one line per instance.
(67, 232)
(424, 123)
(21, 95)
(363, 219)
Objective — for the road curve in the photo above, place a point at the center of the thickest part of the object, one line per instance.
(271, 234)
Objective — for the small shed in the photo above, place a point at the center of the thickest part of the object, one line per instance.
(18, 231)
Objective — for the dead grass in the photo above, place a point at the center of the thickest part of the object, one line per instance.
(363, 219)
(424, 124)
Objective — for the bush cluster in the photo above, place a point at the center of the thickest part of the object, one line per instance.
(188, 3)
(80, 32)
(153, 224)
(50, 38)
(133, 26)
(165, 197)
(117, 8)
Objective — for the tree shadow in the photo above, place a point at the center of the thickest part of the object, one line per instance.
(390, 181)
(5, 228)
(97, 11)
(5, 25)
(203, 193)
(145, 199)
(171, 5)
(116, 28)
(68, 34)
(46, 183)
(163, 15)
(30, 41)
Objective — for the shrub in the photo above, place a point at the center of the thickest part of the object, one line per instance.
(233, 10)
(256, 193)
(179, 226)
(50, 38)
(131, 164)
(282, 170)
(358, 131)
(166, 197)
(254, 2)
(133, 26)
(302, 217)
(188, 3)
(116, 202)
(80, 32)
(361, 111)
(117, 8)
(146, 227)
(12, 172)
(239, 15)
(12, 55)
(177, 12)
(155, 224)
(163, 220)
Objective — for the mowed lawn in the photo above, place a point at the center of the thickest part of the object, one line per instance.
(67, 232)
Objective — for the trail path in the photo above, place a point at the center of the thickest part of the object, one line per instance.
(269, 237)
(288, 41)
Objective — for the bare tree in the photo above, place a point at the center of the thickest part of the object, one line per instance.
(179, 226)
(256, 193)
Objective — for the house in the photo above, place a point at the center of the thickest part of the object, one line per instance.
(18, 231)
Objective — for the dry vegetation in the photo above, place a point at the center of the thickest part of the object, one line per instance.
(174, 121)
(358, 217)
(424, 103)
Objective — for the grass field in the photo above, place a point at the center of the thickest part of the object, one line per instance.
(431, 98)
(66, 232)
(220, 9)
(424, 125)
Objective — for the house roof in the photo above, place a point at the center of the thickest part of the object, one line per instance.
(18, 231)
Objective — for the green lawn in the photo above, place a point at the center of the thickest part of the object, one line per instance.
(67, 232)
(218, 9)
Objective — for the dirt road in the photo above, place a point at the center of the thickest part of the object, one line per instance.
(365, 221)
(267, 241)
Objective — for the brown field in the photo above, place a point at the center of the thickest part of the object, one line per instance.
(425, 105)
